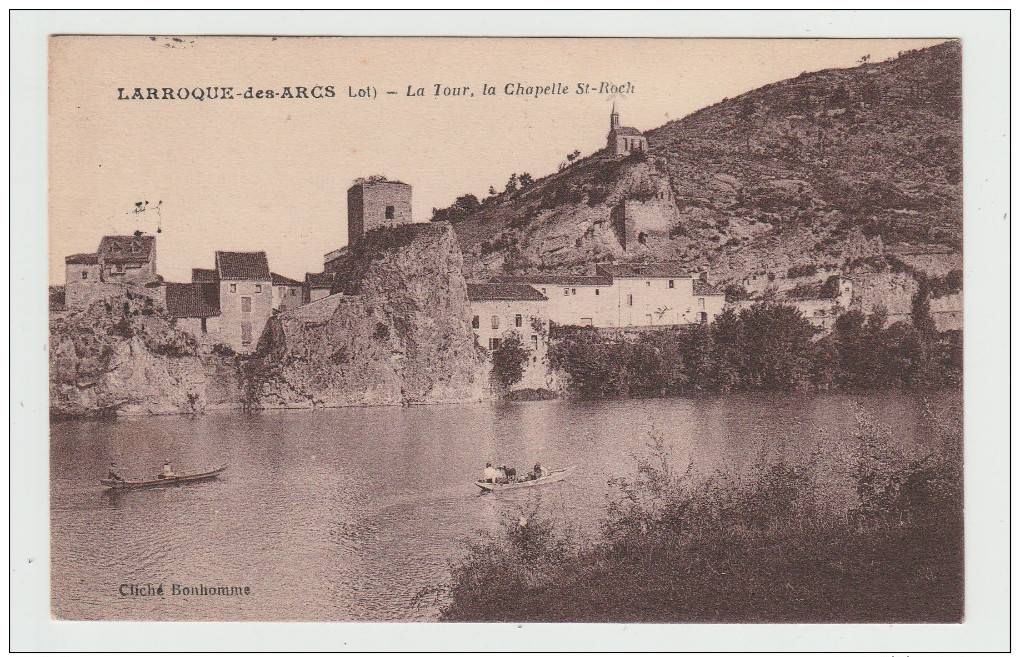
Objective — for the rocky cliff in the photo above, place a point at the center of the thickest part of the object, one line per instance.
(398, 333)
(123, 355)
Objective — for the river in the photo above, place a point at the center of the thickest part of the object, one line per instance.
(344, 514)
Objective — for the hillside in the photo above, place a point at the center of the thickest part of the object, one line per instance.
(831, 169)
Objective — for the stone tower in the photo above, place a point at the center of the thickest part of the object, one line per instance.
(614, 119)
(373, 203)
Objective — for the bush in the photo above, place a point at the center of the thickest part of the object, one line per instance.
(509, 360)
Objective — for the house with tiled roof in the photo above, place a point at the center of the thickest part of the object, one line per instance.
(500, 310)
(287, 292)
(195, 307)
(318, 286)
(245, 294)
(624, 140)
(119, 260)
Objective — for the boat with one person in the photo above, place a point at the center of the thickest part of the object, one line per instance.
(547, 477)
(164, 479)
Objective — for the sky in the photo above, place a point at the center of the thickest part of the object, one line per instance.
(272, 174)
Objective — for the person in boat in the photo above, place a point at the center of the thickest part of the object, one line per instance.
(539, 471)
(510, 474)
(113, 474)
(490, 474)
(168, 470)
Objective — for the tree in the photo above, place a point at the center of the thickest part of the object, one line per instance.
(492, 191)
(511, 184)
(525, 179)
(509, 360)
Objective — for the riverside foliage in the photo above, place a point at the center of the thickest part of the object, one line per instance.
(768, 547)
(768, 346)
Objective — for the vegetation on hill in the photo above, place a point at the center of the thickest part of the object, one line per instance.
(823, 168)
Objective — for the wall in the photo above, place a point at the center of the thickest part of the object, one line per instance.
(231, 316)
(573, 304)
(654, 302)
(78, 291)
(366, 207)
(534, 338)
(624, 145)
(286, 297)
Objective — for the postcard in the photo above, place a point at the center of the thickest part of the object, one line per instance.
(505, 330)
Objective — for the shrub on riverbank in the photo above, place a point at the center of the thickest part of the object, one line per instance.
(680, 548)
(768, 346)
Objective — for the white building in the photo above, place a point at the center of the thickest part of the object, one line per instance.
(627, 295)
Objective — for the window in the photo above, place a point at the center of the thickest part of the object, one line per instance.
(648, 283)
(389, 213)
(518, 321)
(534, 342)
(246, 304)
(566, 291)
(293, 291)
(205, 329)
(701, 302)
(493, 344)
(246, 333)
(630, 299)
(596, 291)
(475, 322)
(671, 284)
(495, 321)
(586, 321)
(84, 274)
(703, 317)
(573, 290)
(233, 287)
(258, 289)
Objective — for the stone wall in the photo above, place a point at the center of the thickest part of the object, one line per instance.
(239, 328)
(367, 205)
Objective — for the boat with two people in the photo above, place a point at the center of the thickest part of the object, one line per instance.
(167, 477)
(504, 478)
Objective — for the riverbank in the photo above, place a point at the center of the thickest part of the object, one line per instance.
(681, 548)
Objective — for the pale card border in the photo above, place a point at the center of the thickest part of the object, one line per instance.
(986, 53)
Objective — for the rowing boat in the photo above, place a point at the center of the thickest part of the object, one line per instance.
(552, 477)
(162, 481)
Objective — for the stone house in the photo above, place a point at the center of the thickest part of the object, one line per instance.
(499, 310)
(120, 260)
(572, 300)
(246, 297)
(287, 293)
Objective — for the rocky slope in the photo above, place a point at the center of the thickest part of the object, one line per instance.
(826, 169)
(399, 334)
(124, 356)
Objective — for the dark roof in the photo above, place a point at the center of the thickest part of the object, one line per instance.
(320, 280)
(627, 131)
(555, 279)
(82, 259)
(243, 266)
(644, 270)
(192, 299)
(126, 248)
(703, 289)
(199, 275)
(283, 280)
(503, 292)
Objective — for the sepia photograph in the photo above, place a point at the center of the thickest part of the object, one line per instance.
(508, 330)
